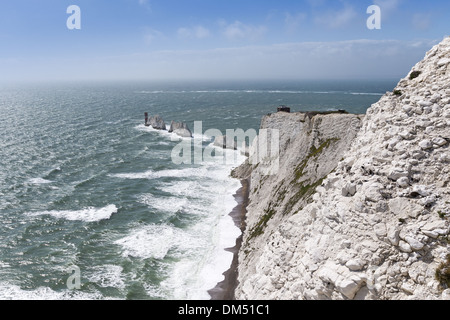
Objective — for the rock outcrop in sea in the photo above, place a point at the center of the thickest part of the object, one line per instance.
(179, 128)
(360, 206)
(156, 122)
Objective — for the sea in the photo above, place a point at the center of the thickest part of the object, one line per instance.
(92, 205)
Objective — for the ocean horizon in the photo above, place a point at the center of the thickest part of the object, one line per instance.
(87, 189)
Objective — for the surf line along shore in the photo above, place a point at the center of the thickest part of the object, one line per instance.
(224, 290)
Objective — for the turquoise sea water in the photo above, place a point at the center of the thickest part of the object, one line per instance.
(83, 183)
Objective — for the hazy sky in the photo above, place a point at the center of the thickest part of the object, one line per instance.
(216, 39)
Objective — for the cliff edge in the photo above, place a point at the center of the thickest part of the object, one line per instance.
(360, 206)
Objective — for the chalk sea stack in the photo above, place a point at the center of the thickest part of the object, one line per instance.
(181, 129)
(156, 122)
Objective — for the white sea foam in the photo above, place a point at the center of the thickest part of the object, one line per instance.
(224, 234)
(192, 189)
(164, 204)
(14, 292)
(144, 128)
(222, 162)
(106, 276)
(150, 174)
(205, 194)
(150, 92)
(192, 206)
(204, 260)
(259, 91)
(163, 143)
(152, 241)
(366, 94)
(39, 181)
(154, 291)
(88, 214)
(199, 248)
(171, 135)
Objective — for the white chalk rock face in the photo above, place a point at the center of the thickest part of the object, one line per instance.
(404, 247)
(446, 294)
(403, 182)
(394, 236)
(443, 62)
(360, 204)
(414, 244)
(426, 144)
(440, 142)
(349, 190)
(355, 264)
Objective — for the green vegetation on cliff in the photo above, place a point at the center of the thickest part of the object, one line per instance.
(304, 188)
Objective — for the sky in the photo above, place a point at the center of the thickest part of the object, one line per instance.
(215, 39)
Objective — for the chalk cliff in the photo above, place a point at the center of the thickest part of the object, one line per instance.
(360, 206)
